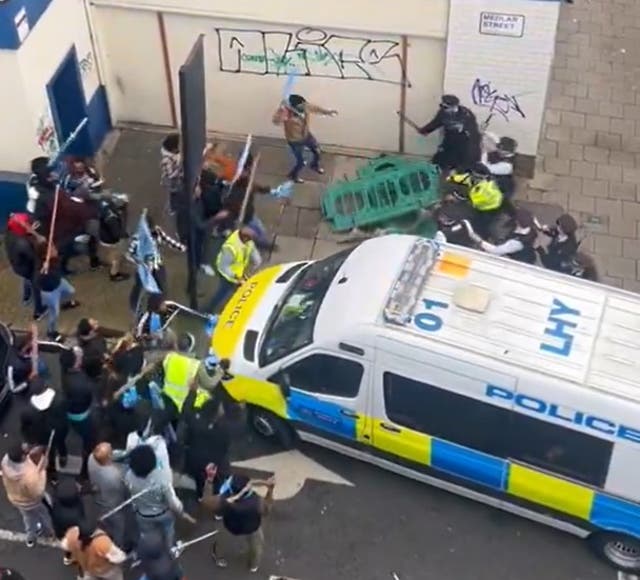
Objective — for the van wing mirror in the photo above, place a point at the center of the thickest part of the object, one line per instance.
(284, 383)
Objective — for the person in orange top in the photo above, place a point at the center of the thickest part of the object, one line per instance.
(94, 552)
(217, 160)
(25, 478)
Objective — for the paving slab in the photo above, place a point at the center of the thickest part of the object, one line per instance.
(292, 249)
(325, 248)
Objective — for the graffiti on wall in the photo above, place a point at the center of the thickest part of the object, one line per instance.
(46, 136)
(310, 52)
(502, 104)
(86, 64)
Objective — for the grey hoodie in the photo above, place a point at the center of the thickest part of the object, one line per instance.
(156, 502)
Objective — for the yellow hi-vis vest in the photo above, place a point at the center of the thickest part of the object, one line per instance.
(241, 253)
(179, 371)
(485, 196)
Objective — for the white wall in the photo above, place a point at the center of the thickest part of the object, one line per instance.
(503, 71)
(412, 17)
(131, 54)
(15, 120)
(62, 25)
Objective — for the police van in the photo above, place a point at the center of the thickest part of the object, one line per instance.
(502, 382)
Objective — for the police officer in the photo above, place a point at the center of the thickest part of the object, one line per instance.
(499, 162)
(519, 246)
(179, 370)
(236, 259)
(460, 145)
(450, 218)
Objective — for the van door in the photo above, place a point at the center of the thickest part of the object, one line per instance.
(328, 396)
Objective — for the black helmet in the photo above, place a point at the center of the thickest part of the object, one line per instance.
(524, 218)
(296, 102)
(480, 170)
(507, 145)
(567, 224)
(449, 101)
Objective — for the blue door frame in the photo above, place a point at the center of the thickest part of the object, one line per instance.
(68, 104)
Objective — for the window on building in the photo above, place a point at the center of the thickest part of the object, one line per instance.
(325, 374)
(559, 450)
(445, 415)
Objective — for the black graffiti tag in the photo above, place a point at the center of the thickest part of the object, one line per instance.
(484, 95)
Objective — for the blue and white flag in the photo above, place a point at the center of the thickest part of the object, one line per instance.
(288, 85)
(242, 161)
(282, 191)
(146, 251)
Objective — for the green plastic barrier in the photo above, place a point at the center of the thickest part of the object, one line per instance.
(386, 189)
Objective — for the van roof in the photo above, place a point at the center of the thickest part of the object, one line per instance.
(580, 331)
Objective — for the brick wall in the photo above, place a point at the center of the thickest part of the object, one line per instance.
(502, 63)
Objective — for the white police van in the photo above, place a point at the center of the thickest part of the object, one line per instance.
(500, 381)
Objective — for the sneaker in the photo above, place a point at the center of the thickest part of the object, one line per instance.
(55, 337)
(319, 170)
(31, 542)
(67, 560)
(119, 277)
(253, 569)
(298, 180)
(219, 562)
(207, 269)
(70, 305)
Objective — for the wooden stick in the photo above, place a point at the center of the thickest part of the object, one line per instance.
(50, 443)
(52, 227)
(34, 349)
(408, 121)
(247, 193)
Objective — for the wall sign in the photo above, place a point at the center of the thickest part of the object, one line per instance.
(499, 24)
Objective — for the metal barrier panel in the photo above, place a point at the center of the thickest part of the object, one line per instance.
(193, 116)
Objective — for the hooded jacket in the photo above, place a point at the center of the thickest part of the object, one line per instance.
(25, 482)
(67, 510)
(45, 412)
(21, 254)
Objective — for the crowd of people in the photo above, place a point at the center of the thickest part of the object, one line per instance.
(141, 403)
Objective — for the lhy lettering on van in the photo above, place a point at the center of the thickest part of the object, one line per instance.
(560, 319)
(566, 414)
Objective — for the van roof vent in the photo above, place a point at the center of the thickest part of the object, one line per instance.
(472, 297)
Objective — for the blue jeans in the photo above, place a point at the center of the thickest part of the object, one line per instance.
(221, 295)
(36, 520)
(297, 148)
(52, 300)
(262, 238)
(164, 523)
(30, 292)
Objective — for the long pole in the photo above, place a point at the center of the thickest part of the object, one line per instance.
(52, 229)
(34, 349)
(247, 193)
(125, 503)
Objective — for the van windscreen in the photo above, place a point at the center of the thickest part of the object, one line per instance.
(290, 327)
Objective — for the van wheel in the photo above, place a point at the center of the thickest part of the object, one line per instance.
(619, 550)
(270, 426)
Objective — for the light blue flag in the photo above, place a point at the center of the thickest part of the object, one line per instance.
(289, 84)
(147, 250)
(283, 191)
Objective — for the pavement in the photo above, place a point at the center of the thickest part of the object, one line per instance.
(589, 154)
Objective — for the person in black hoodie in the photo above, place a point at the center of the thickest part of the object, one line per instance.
(156, 561)
(563, 246)
(207, 439)
(67, 510)
(44, 414)
(79, 390)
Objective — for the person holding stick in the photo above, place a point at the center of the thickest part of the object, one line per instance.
(25, 480)
(237, 258)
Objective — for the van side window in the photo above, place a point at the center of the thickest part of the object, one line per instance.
(325, 374)
(560, 450)
(445, 415)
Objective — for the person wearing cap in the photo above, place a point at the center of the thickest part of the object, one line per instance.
(46, 413)
(563, 246)
(450, 216)
(460, 145)
(179, 369)
(499, 161)
(19, 241)
(519, 246)
(294, 115)
(242, 510)
(237, 258)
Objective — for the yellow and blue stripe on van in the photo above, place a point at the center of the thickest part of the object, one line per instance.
(566, 497)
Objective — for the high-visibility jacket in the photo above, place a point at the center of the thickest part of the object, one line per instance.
(179, 371)
(241, 253)
(485, 195)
